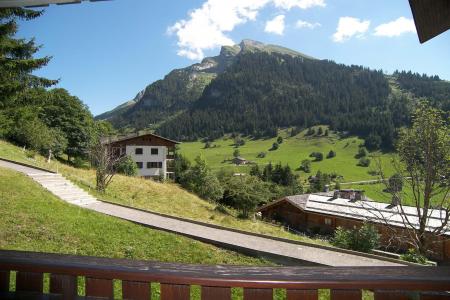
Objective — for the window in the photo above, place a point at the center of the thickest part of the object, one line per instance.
(327, 221)
(138, 151)
(154, 151)
(139, 164)
(154, 165)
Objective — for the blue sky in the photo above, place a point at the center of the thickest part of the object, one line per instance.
(106, 52)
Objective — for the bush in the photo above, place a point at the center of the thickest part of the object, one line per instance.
(364, 162)
(331, 154)
(362, 152)
(317, 155)
(127, 166)
(261, 154)
(275, 146)
(280, 140)
(236, 153)
(79, 163)
(320, 131)
(363, 239)
(413, 256)
(306, 166)
(373, 141)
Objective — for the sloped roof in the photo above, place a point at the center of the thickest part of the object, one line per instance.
(116, 139)
(36, 3)
(432, 17)
(372, 211)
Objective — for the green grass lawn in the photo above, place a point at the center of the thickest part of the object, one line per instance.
(35, 220)
(164, 198)
(292, 151)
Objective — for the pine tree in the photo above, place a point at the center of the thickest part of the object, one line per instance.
(16, 57)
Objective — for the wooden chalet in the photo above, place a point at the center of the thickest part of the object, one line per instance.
(323, 213)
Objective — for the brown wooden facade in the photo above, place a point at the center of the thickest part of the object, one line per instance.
(303, 220)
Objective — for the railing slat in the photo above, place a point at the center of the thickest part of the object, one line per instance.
(258, 294)
(135, 290)
(302, 295)
(99, 288)
(4, 281)
(65, 285)
(435, 296)
(346, 294)
(390, 295)
(215, 293)
(29, 282)
(175, 292)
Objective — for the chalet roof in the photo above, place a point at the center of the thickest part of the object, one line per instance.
(431, 17)
(116, 139)
(372, 211)
(37, 3)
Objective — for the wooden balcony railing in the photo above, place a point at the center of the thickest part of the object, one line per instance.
(215, 281)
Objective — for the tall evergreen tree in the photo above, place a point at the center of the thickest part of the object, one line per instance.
(16, 57)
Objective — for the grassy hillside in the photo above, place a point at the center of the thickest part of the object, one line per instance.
(292, 151)
(146, 194)
(35, 220)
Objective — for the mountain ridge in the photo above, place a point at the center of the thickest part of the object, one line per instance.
(194, 78)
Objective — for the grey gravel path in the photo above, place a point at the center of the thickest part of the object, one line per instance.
(226, 238)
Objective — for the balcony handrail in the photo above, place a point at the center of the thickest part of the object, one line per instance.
(386, 278)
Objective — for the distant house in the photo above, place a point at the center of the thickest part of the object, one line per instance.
(323, 213)
(240, 161)
(154, 155)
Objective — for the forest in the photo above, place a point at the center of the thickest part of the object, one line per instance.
(262, 92)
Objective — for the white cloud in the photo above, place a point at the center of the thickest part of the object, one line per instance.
(303, 4)
(276, 25)
(305, 24)
(395, 28)
(349, 27)
(207, 26)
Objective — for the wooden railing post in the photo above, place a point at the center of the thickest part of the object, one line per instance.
(258, 294)
(302, 295)
(99, 288)
(346, 294)
(4, 281)
(66, 285)
(134, 290)
(175, 292)
(29, 282)
(216, 293)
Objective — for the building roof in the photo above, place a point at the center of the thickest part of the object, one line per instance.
(432, 17)
(240, 158)
(37, 3)
(372, 211)
(116, 139)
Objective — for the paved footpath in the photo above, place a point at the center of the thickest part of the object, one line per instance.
(226, 238)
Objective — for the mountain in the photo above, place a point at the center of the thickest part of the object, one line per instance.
(254, 89)
(182, 87)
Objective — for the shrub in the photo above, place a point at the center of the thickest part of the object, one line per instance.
(413, 256)
(320, 131)
(79, 163)
(280, 140)
(373, 141)
(236, 153)
(311, 131)
(261, 154)
(127, 166)
(317, 155)
(275, 146)
(306, 166)
(364, 162)
(362, 152)
(363, 239)
(331, 154)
